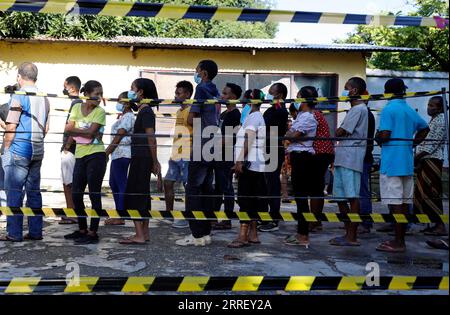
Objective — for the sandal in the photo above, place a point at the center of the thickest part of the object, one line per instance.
(342, 241)
(387, 247)
(238, 244)
(111, 221)
(129, 241)
(438, 244)
(293, 241)
(6, 238)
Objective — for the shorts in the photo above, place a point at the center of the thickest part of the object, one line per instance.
(67, 166)
(178, 171)
(396, 190)
(346, 183)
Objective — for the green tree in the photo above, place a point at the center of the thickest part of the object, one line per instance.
(433, 41)
(28, 25)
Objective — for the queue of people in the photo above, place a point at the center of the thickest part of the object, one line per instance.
(211, 147)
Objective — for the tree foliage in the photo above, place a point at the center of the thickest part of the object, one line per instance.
(433, 41)
(28, 25)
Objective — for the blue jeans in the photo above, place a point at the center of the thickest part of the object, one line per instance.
(365, 194)
(2, 186)
(22, 173)
(118, 181)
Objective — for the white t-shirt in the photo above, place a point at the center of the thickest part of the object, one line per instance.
(254, 122)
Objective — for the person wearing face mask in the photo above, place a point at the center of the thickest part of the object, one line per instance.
(144, 159)
(302, 152)
(349, 159)
(276, 118)
(429, 160)
(27, 124)
(120, 152)
(72, 86)
(85, 125)
(254, 94)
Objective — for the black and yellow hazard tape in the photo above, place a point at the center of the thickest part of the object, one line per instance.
(174, 102)
(234, 284)
(211, 13)
(219, 215)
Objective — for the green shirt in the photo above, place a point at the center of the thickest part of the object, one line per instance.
(96, 116)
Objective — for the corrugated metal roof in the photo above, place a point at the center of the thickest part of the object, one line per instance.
(218, 43)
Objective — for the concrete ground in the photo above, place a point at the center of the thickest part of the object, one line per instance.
(161, 257)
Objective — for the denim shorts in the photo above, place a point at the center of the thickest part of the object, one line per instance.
(178, 171)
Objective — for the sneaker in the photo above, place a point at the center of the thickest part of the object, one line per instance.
(192, 241)
(208, 239)
(75, 235)
(269, 227)
(180, 224)
(86, 240)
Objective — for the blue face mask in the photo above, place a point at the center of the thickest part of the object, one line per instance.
(297, 106)
(245, 112)
(132, 95)
(345, 93)
(197, 78)
(269, 97)
(120, 107)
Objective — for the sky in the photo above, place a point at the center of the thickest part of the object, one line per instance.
(326, 33)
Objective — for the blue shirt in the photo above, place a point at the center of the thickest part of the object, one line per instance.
(30, 114)
(397, 157)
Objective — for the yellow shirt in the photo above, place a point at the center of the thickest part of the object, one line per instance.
(181, 148)
(96, 116)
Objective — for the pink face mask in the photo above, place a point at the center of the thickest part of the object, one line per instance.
(82, 140)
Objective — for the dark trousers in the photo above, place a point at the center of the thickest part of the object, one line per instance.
(273, 188)
(118, 181)
(199, 189)
(89, 171)
(251, 189)
(223, 190)
(365, 195)
(321, 163)
(302, 170)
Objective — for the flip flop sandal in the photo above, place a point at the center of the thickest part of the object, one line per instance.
(254, 242)
(237, 244)
(342, 241)
(112, 222)
(131, 242)
(385, 247)
(6, 238)
(440, 244)
(293, 241)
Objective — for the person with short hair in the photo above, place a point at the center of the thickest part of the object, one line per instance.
(144, 159)
(181, 149)
(223, 190)
(86, 125)
(199, 186)
(27, 124)
(398, 121)
(249, 169)
(120, 152)
(349, 160)
(429, 160)
(276, 117)
(72, 86)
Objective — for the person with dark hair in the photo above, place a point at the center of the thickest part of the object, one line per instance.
(301, 152)
(120, 152)
(429, 160)
(181, 149)
(349, 160)
(144, 159)
(249, 169)
(72, 86)
(254, 94)
(223, 190)
(365, 194)
(27, 124)
(323, 156)
(398, 121)
(293, 111)
(86, 124)
(276, 118)
(199, 186)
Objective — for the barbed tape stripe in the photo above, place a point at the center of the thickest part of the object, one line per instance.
(210, 13)
(204, 283)
(219, 215)
(174, 102)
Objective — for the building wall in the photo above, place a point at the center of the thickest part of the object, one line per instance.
(117, 67)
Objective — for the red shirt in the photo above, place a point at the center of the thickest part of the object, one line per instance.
(323, 131)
